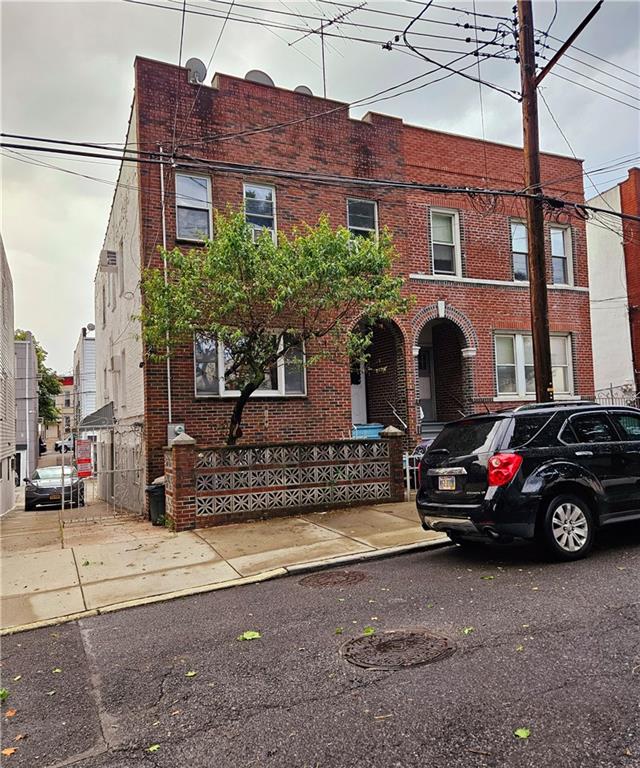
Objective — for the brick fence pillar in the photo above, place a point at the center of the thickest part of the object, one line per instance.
(394, 438)
(181, 509)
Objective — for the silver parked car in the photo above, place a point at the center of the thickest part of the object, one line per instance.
(45, 488)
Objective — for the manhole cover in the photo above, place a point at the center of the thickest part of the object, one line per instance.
(397, 648)
(333, 578)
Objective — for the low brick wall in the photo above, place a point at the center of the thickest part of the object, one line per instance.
(215, 485)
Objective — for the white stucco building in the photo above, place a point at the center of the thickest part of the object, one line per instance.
(610, 329)
(26, 395)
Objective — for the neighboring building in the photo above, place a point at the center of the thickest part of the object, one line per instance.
(26, 393)
(7, 387)
(614, 276)
(65, 407)
(465, 343)
(84, 378)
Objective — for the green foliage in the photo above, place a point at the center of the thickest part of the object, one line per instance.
(522, 733)
(249, 634)
(48, 384)
(261, 299)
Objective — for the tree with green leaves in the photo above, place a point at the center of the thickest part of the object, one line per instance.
(263, 300)
(48, 383)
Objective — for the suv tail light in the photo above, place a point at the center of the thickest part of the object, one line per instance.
(503, 468)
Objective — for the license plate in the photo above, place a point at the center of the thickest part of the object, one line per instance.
(446, 483)
(55, 496)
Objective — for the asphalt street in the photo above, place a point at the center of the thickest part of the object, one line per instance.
(550, 648)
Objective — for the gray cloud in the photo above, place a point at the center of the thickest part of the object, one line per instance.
(67, 72)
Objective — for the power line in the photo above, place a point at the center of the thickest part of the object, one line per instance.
(595, 56)
(593, 90)
(511, 94)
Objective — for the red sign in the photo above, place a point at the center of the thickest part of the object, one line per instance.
(83, 458)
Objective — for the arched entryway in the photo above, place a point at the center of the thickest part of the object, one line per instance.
(444, 351)
(379, 385)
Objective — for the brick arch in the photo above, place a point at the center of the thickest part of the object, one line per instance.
(458, 318)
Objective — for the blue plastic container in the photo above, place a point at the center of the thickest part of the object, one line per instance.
(366, 431)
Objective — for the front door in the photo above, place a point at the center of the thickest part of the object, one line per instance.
(425, 383)
(358, 393)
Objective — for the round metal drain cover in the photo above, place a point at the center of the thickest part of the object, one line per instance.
(397, 648)
(333, 578)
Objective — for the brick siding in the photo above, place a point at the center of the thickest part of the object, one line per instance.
(377, 147)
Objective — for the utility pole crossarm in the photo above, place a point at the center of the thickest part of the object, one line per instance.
(568, 42)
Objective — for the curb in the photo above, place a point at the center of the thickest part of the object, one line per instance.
(275, 573)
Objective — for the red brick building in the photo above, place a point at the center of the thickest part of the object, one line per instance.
(465, 343)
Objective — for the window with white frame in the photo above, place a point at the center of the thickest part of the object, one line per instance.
(260, 209)
(445, 242)
(519, 250)
(561, 271)
(515, 374)
(216, 375)
(362, 217)
(193, 207)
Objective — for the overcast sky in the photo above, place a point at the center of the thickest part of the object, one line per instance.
(67, 73)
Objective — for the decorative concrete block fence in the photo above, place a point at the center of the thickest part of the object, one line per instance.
(215, 485)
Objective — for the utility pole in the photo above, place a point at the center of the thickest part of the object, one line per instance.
(535, 211)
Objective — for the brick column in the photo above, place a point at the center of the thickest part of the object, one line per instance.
(181, 496)
(394, 438)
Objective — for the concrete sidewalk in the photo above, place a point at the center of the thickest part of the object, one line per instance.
(53, 572)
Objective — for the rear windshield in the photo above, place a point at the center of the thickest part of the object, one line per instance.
(465, 438)
(523, 429)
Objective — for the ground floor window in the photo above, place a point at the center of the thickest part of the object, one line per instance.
(514, 364)
(216, 374)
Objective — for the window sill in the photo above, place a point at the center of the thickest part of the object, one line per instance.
(265, 397)
(532, 398)
(423, 276)
(191, 241)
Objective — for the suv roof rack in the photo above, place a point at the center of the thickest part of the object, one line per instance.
(554, 404)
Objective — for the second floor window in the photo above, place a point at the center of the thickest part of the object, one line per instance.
(362, 217)
(260, 208)
(445, 243)
(560, 253)
(519, 250)
(193, 207)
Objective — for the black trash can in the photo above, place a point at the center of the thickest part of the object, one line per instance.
(155, 492)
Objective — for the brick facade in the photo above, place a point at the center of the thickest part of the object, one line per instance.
(376, 147)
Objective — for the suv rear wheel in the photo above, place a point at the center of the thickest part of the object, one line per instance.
(568, 527)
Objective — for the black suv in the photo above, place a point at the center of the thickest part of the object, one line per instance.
(551, 472)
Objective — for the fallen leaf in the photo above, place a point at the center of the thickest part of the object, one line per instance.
(468, 630)
(51, 693)
(429, 605)
(522, 733)
(56, 670)
(488, 578)
(250, 634)
(176, 712)
(10, 713)
(368, 630)
(16, 678)
(382, 717)
(519, 647)
(8, 751)
(620, 567)
(341, 599)
(535, 589)
(20, 736)
(339, 630)
(191, 673)
(153, 748)
(4, 694)
(374, 618)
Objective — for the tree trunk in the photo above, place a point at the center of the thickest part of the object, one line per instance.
(235, 431)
